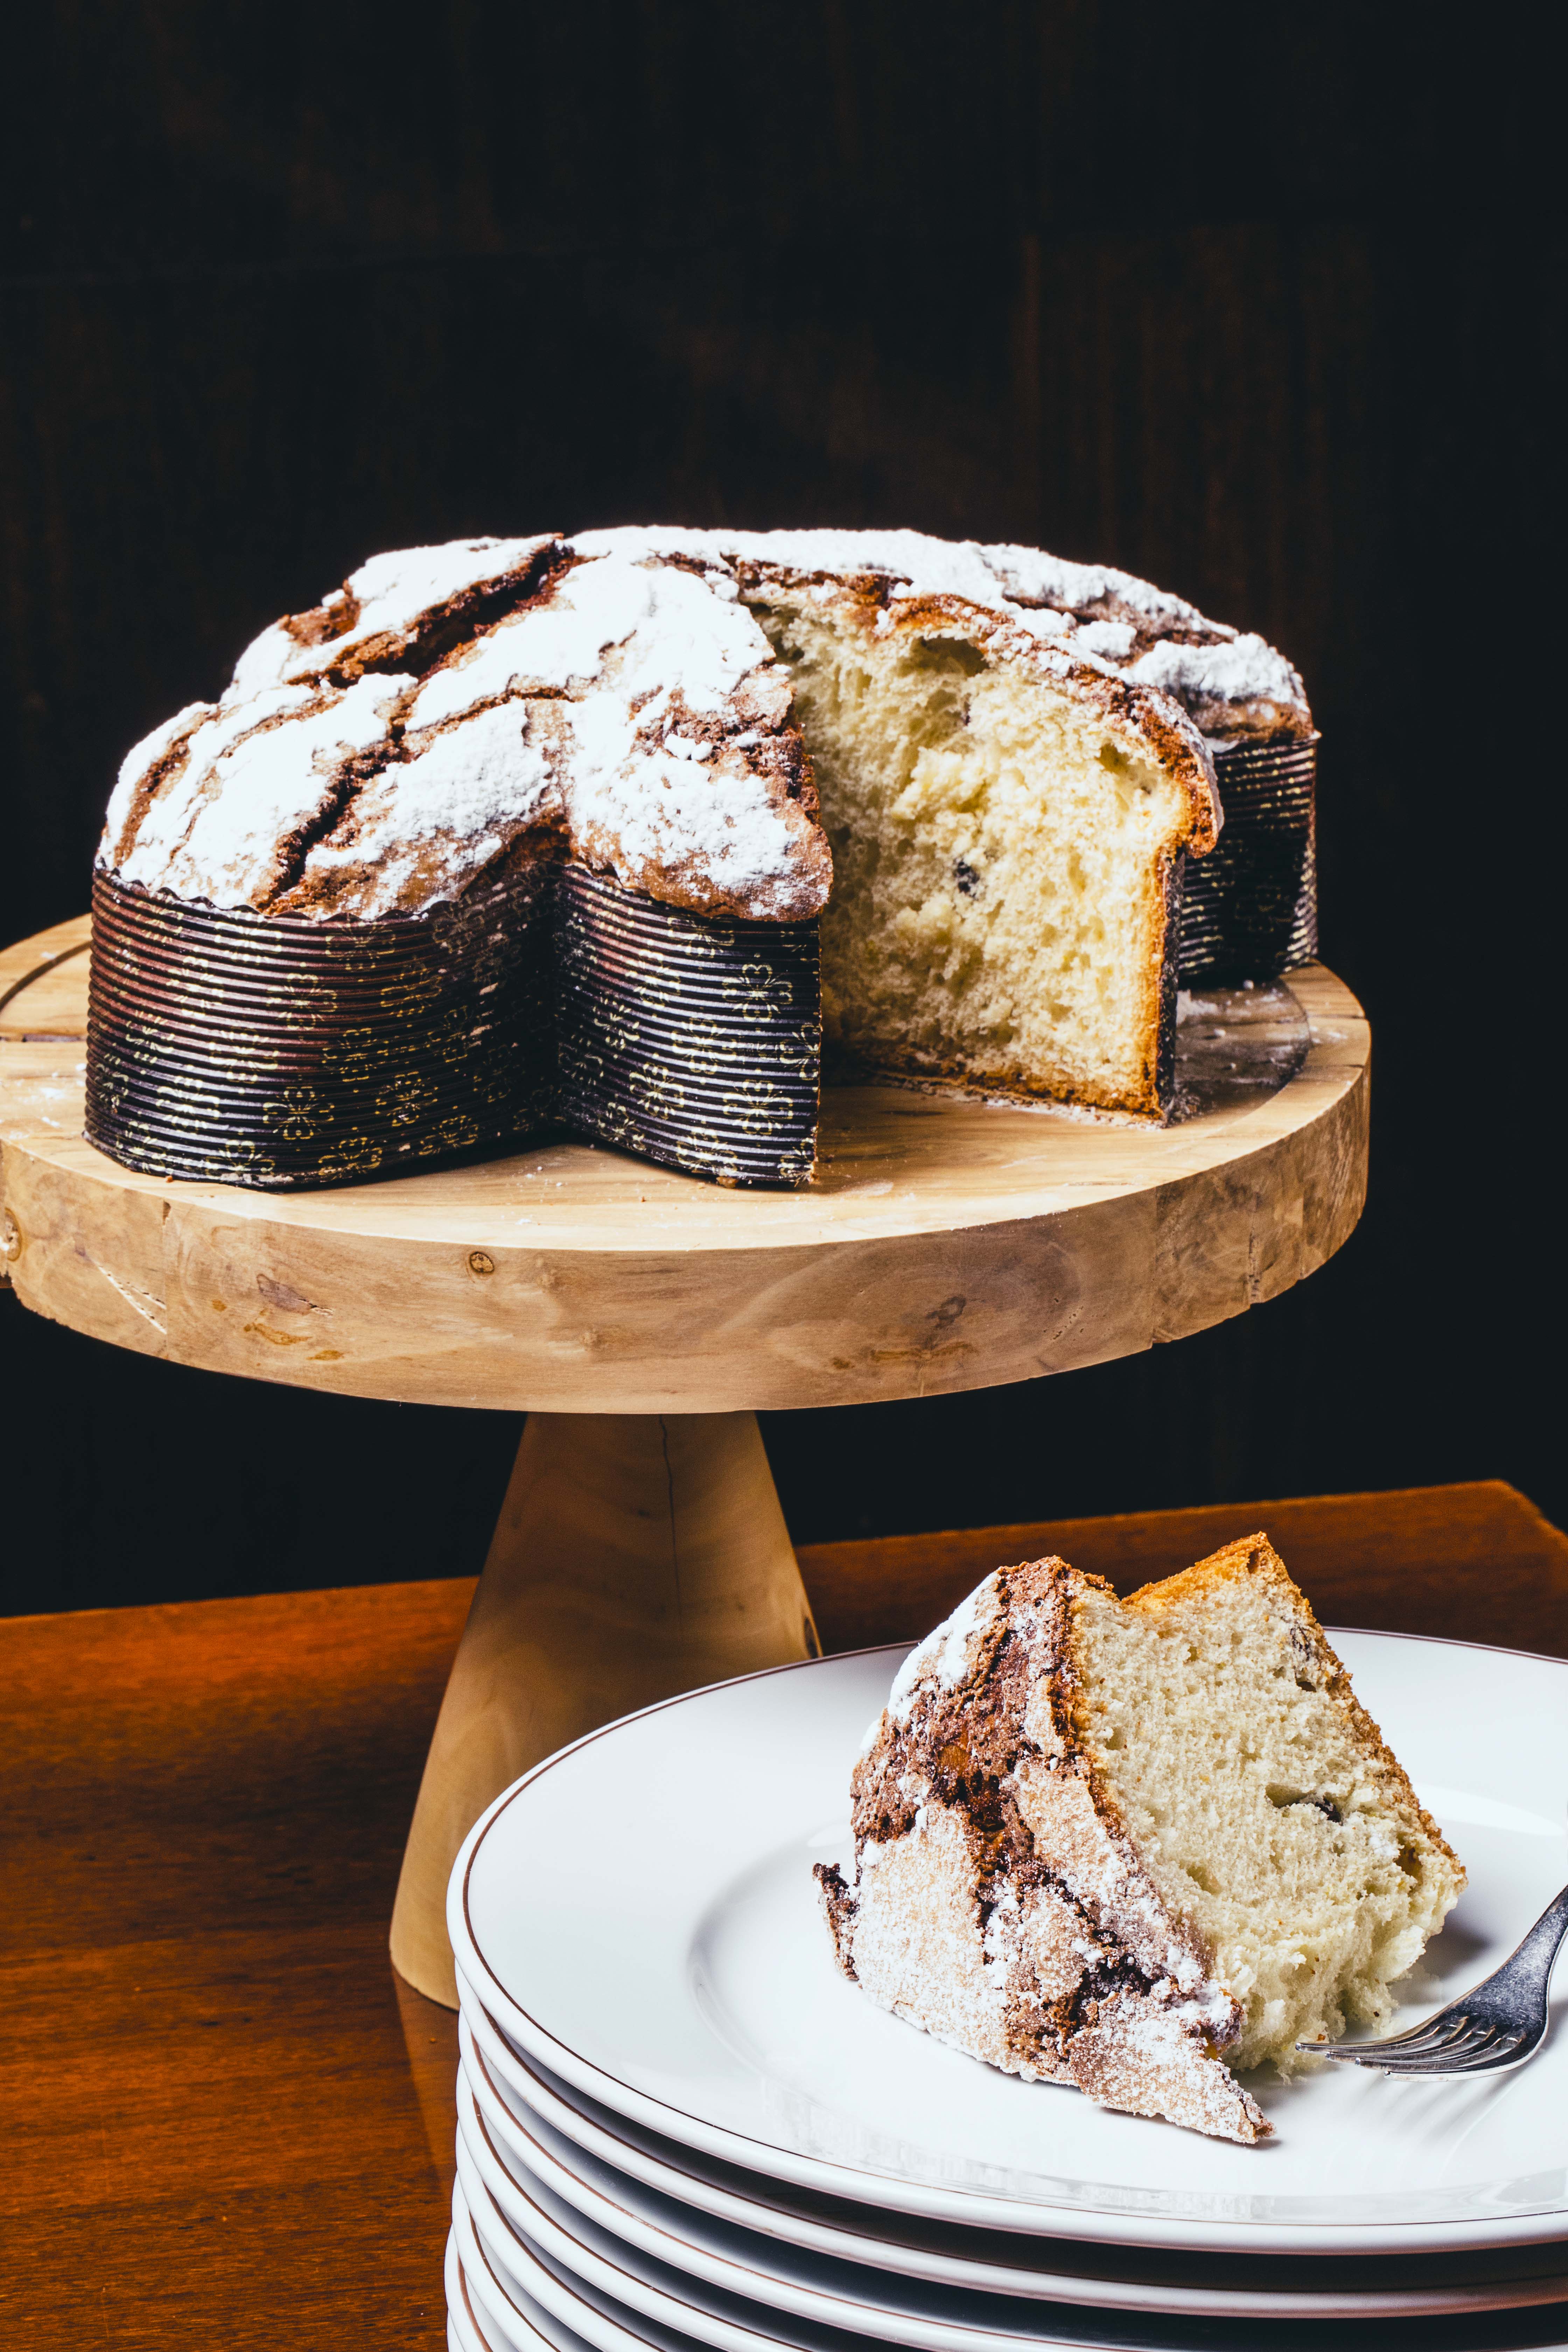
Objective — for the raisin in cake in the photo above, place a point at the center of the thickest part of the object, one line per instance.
(1135, 1844)
(985, 773)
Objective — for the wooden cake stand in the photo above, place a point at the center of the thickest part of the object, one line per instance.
(642, 1318)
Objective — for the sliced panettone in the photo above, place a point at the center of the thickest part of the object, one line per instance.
(1104, 1842)
(1008, 814)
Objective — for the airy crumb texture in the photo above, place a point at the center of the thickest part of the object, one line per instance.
(1004, 846)
(1260, 1796)
(1103, 1843)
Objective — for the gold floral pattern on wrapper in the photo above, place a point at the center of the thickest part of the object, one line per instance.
(225, 1045)
(277, 1053)
(689, 1040)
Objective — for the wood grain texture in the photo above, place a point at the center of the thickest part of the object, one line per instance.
(635, 1555)
(225, 2124)
(946, 1245)
(1469, 1563)
(57, 1001)
(212, 2131)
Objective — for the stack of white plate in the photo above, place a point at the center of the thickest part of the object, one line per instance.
(678, 2126)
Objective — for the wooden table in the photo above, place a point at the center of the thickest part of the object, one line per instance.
(228, 2120)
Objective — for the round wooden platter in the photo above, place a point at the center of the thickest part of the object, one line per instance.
(641, 1317)
(946, 1244)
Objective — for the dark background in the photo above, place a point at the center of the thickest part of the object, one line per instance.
(1265, 305)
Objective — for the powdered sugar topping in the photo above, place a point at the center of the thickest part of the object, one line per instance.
(632, 701)
(393, 593)
(142, 758)
(470, 788)
(249, 786)
(1209, 680)
(561, 644)
(944, 1656)
(607, 704)
(1219, 671)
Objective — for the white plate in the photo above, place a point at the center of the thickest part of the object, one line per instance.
(572, 2291)
(638, 1914)
(502, 2316)
(812, 2260)
(511, 2319)
(464, 2331)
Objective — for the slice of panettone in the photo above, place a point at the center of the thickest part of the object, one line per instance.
(1116, 1843)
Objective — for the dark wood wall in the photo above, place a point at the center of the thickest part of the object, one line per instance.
(1265, 304)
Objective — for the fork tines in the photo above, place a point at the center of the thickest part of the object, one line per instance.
(1453, 2043)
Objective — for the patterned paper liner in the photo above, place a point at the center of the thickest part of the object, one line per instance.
(689, 1041)
(280, 1054)
(1249, 908)
(223, 1045)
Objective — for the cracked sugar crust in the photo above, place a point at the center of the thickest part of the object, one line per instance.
(398, 610)
(227, 806)
(1232, 683)
(649, 727)
(629, 711)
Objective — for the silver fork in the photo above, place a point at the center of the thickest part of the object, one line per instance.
(1487, 2031)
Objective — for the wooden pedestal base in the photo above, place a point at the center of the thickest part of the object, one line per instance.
(636, 1555)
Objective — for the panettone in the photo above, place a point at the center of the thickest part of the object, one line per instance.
(1130, 1845)
(671, 756)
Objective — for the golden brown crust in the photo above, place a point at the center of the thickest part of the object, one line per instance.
(1255, 1557)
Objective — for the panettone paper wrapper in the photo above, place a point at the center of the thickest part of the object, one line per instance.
(280, 1054)
(693, 1041)
(275, 1053)
(1249, 907)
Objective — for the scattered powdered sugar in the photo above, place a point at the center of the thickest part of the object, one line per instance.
(1029, 572)
(638, 642)
(1243, 670)
(932, 567)
(394, 592)
(480, 774)
(945, 1652)
(143, 756)
(251, 797)
(698, 643)
(469, 787)
(650, 740)
(265, 661)
(1214, 2015)
(167, 821)
(1111, 640)
(634, 803)
(558, 645)
(634, 657)
(1024, 582)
